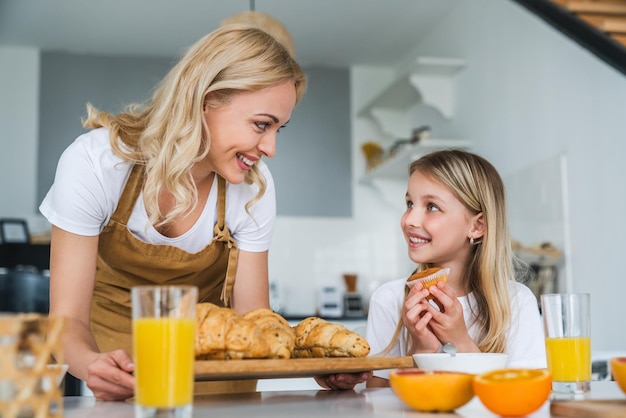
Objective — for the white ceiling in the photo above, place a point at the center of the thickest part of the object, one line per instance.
(337, 33)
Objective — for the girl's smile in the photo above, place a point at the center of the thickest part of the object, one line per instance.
(415, 240)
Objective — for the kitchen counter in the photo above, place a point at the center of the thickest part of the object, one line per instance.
(346, 404)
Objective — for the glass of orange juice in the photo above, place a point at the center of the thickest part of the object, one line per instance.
(164, 321)
(566, 320)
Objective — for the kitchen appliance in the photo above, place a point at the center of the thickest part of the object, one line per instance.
(330, 302)
(353, 306)
(352, 301)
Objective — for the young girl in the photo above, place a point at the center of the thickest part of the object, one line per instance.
(456, 218)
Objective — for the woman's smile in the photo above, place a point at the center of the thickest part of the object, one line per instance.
(247, 163)
(245, 129)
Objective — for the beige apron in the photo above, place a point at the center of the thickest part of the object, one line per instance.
(125, 261)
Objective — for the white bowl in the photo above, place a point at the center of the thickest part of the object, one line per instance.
(474, 363)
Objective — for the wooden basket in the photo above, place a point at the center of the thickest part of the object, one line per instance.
(28, 386)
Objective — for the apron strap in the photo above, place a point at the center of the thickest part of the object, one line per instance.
(129, 195)
(222, 234)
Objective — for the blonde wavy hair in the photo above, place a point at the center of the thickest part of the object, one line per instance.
(477, 185)
(169, 133)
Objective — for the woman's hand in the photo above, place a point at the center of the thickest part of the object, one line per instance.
(447, 322)
(342, 381)
(416, 316)
(110, 376)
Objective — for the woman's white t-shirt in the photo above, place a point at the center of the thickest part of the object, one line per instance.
(89, 182)
(525, 338)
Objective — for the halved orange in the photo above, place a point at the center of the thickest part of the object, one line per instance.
(618, 370)
(513, 392)
(427, 390)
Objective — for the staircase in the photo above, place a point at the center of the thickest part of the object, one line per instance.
(597, 25)
(609, 16)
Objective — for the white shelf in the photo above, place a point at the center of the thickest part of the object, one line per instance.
(428, 80)
(396, 167)
(434, 79)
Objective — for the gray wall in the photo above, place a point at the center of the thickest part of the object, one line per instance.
(68, 82)
(312, 167)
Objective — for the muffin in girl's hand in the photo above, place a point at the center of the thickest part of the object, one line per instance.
(428, 278)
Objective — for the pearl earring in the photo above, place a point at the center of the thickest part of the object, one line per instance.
(476, 241)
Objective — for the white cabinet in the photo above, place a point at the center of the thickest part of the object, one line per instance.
(429, 80)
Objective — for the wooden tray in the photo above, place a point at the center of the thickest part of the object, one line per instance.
(207, 370)
(589, 408)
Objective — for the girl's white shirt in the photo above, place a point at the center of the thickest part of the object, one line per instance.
(525, 337)
(89, 182)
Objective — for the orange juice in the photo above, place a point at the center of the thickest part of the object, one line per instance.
(569, 358)
(164, 359)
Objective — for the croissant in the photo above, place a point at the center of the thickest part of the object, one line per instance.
(221, 333)
(316, 337)
(276, 331)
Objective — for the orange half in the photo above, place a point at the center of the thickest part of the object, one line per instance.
(513, 392)
(426, 390)
(618, 370)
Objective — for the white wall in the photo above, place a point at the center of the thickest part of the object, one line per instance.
(19, 122)
(308, 253)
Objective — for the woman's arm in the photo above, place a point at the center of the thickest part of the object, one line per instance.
(72, 277)
(251, 288)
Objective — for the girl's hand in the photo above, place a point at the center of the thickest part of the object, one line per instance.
(448, 323)
(416, 317)
(110, 377)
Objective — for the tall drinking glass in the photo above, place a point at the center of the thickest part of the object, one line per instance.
(164, 319)
(566, 320)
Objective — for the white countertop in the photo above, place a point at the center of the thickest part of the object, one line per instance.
(345, 404)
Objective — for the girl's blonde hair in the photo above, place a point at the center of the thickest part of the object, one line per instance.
(477, 185)
(169, 134)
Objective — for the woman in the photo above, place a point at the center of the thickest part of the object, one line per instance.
(170, 192)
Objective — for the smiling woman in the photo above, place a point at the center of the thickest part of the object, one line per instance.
(155, 180)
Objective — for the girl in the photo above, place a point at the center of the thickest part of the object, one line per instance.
(456, 218)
